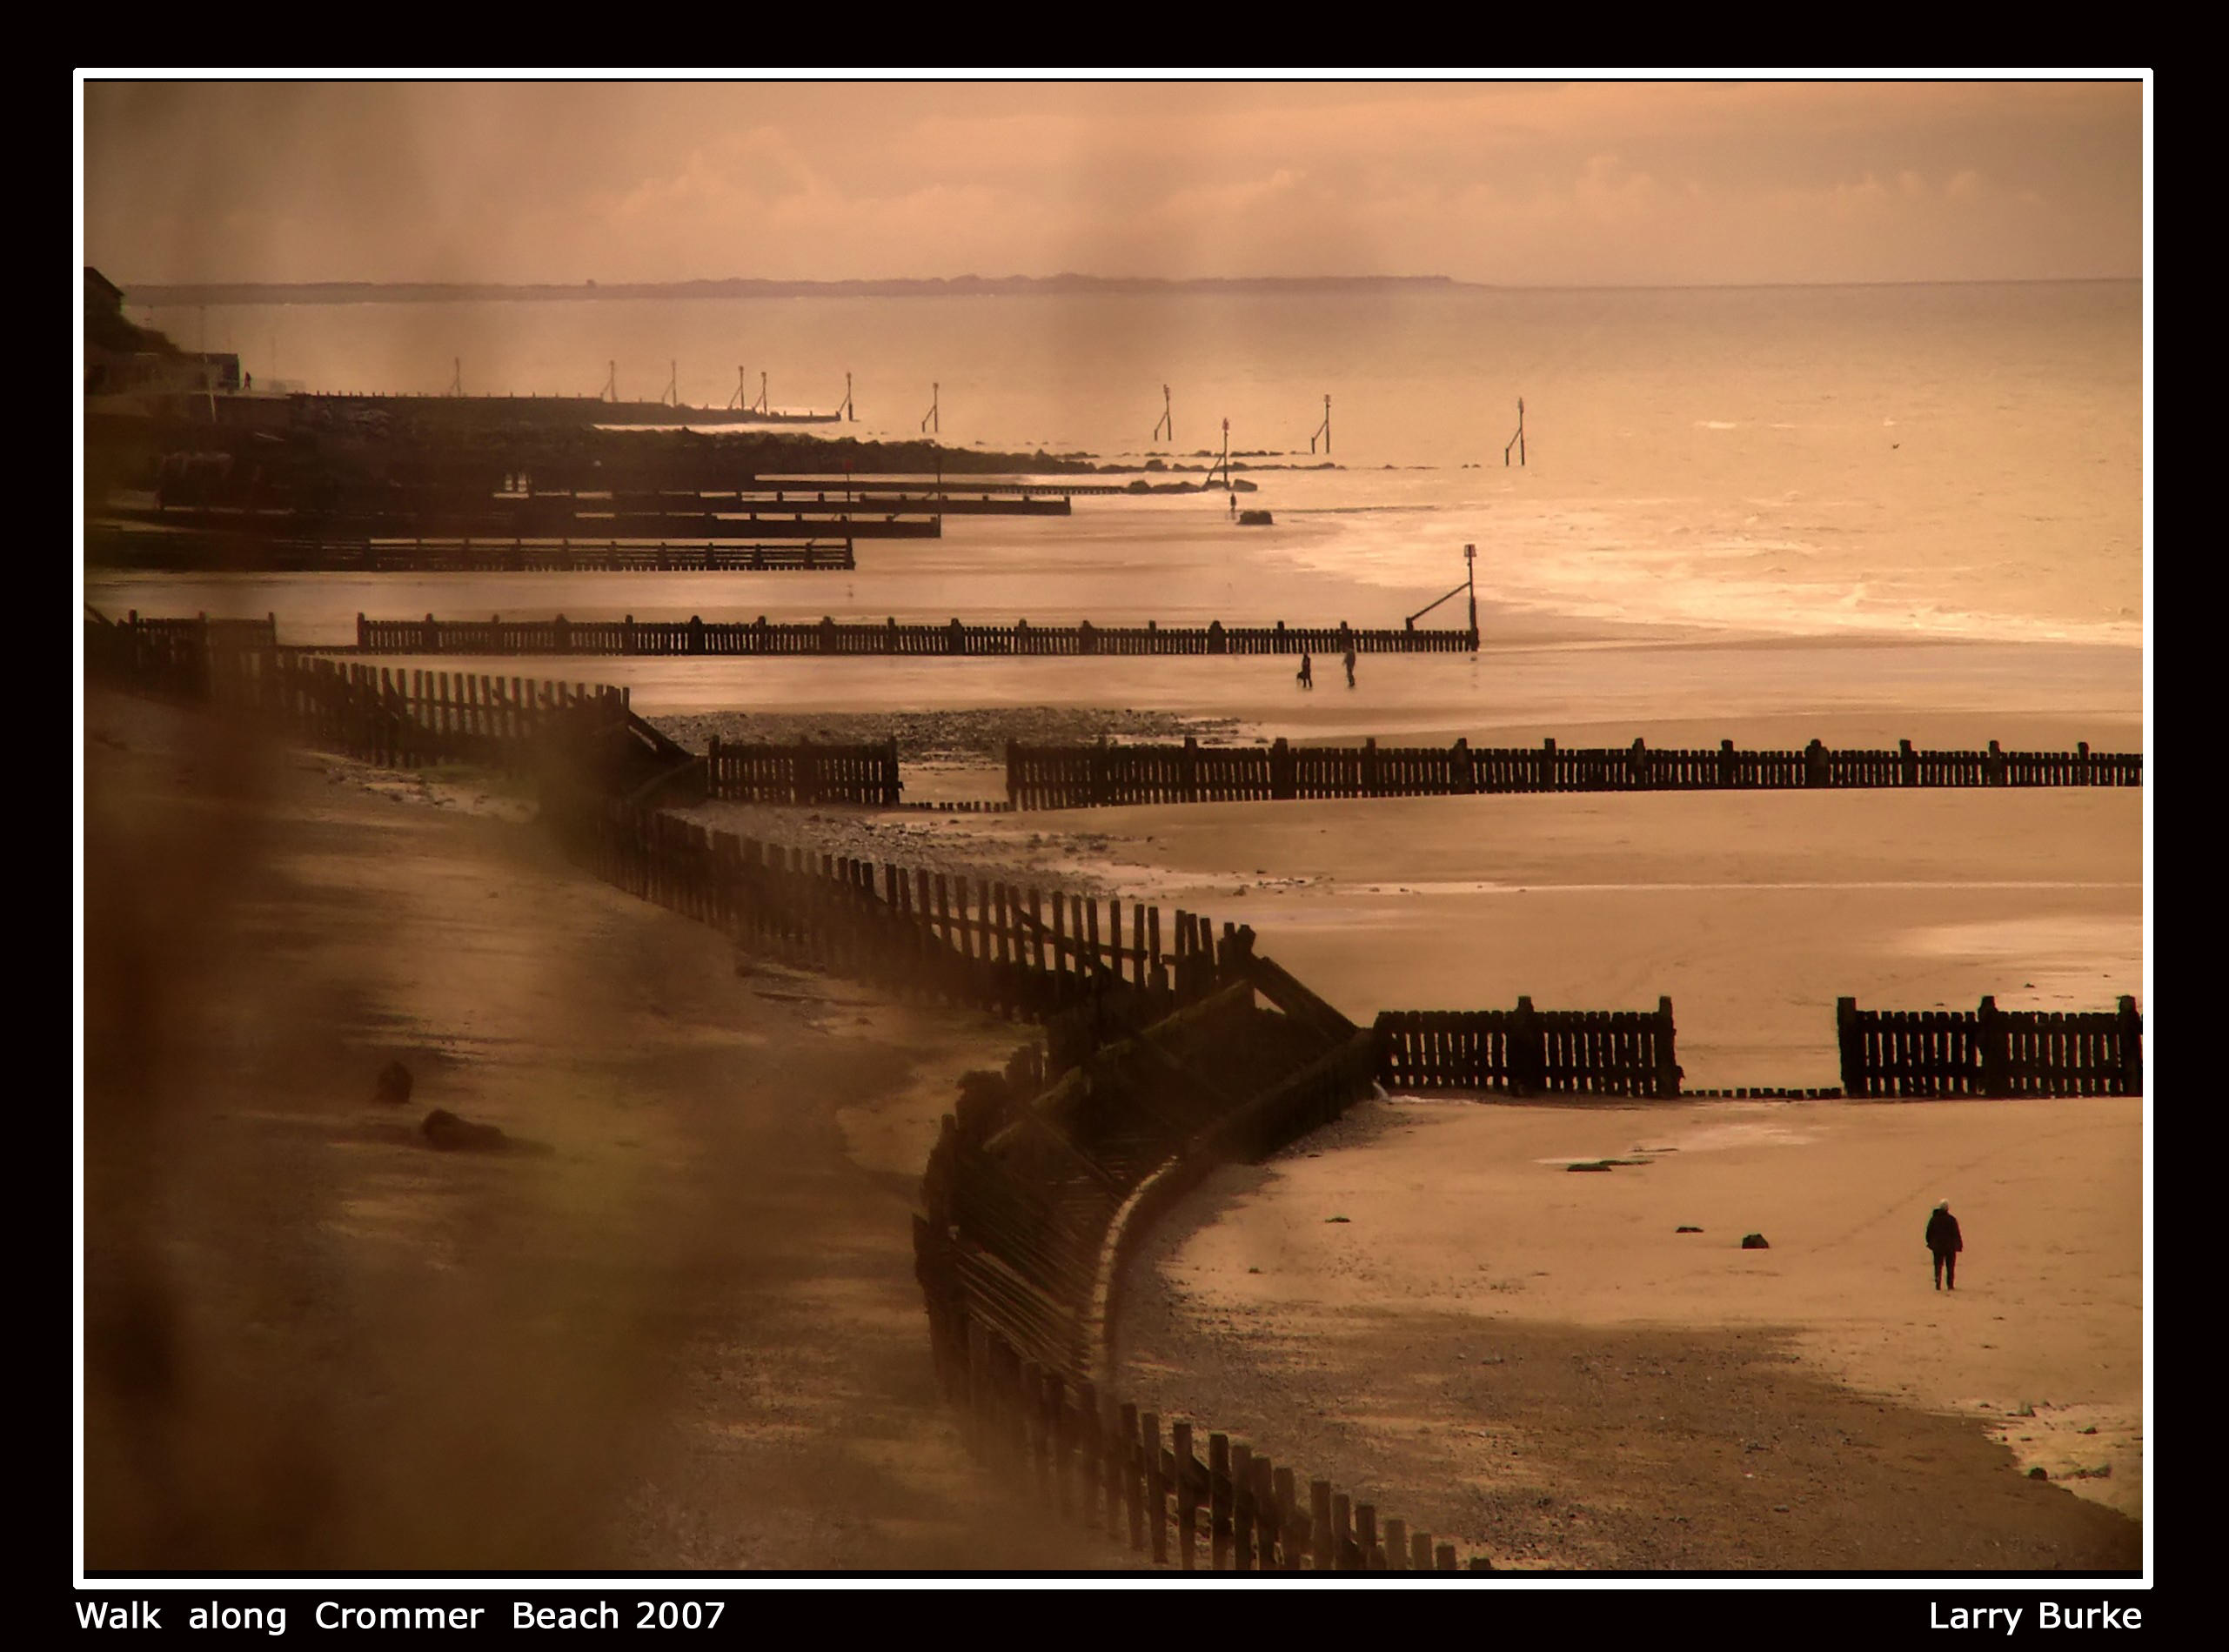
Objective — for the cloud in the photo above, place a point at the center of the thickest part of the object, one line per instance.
(1536, 182)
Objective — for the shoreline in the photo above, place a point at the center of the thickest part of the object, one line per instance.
(1414, 1298)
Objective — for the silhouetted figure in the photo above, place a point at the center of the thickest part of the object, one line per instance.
(247, 381)
(1350, 668)
(1307, 673)
(1945, 1242)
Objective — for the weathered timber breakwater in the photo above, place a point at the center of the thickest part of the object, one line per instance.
(1074, 777)
(837, 521)
(190, 552)
(1989, 1052)
(1158, 1065)
(762, 637)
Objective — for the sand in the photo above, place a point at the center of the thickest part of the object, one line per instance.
(675, 1327)
(1854, 1397)
(1752, 912)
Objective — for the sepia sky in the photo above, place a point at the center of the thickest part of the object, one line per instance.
(1522, 183)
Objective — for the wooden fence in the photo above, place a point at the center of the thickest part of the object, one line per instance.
(789, 522)
(1102, 1464)
(1990, 1052)
(190, 551)
(561, 636)
(1020, 951)
(394, 718)
(1031, 1202)
(1070, 777)
(805, 773)
(1526, 1052)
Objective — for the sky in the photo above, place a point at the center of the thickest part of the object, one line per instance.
(1579, 184)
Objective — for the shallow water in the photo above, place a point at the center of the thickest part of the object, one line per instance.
(1913, 461)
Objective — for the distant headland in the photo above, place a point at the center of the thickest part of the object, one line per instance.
(969, 285)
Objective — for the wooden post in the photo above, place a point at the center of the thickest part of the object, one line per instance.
(1815, 764)
(1059, 948)
(1528, 1051)
(1157, 1487)
(1187, 1497)
(1993, 771)
(1667, 1062)
(1989, 1028)
(1420, 1552)
(1372, 1557)
(1288, 1543)
(1397, 1545)
(1907, 763)
(1444, 1557)
(1241, 1507)
(1266, 1528)
(2130, 1033)
(1284, 780)
(1325, 1554)
(1852, 1048)
(1343, 1551)
(1219, 1503)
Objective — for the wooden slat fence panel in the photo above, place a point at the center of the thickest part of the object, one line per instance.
(1076, 777)
(1989, 1052)
(1528, 1052)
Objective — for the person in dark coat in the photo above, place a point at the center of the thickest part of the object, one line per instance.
(1306, 672)
(1944, 1241)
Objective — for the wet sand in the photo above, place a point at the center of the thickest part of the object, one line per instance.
(1752, 912)
(1537, 1360)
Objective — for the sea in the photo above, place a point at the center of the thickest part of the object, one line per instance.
(1956, 462)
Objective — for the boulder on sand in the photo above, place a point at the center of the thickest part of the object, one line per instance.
(445, 1130)
(1754, 1242)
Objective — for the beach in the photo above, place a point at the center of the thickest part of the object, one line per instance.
(713, 1250)
(1425, 1302)
(673, 1325)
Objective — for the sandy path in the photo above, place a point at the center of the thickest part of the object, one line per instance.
(1496, 1342)
(679, 1328)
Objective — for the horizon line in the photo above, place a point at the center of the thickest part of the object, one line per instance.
(621, 289)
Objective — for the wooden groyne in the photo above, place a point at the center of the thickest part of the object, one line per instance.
(559, 411)
(1036, 1196)
(804, 773)
(190, 552)
(973, 501)
(1157, 1066)
(877, 487)
(1526, 1052)
(394, 718)
(1989, 1052)
(696, 636)
(791, 522)
(1069, 777)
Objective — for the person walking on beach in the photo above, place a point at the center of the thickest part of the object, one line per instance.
(1945, 1242)
(1350, 668)
(1306, 675)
